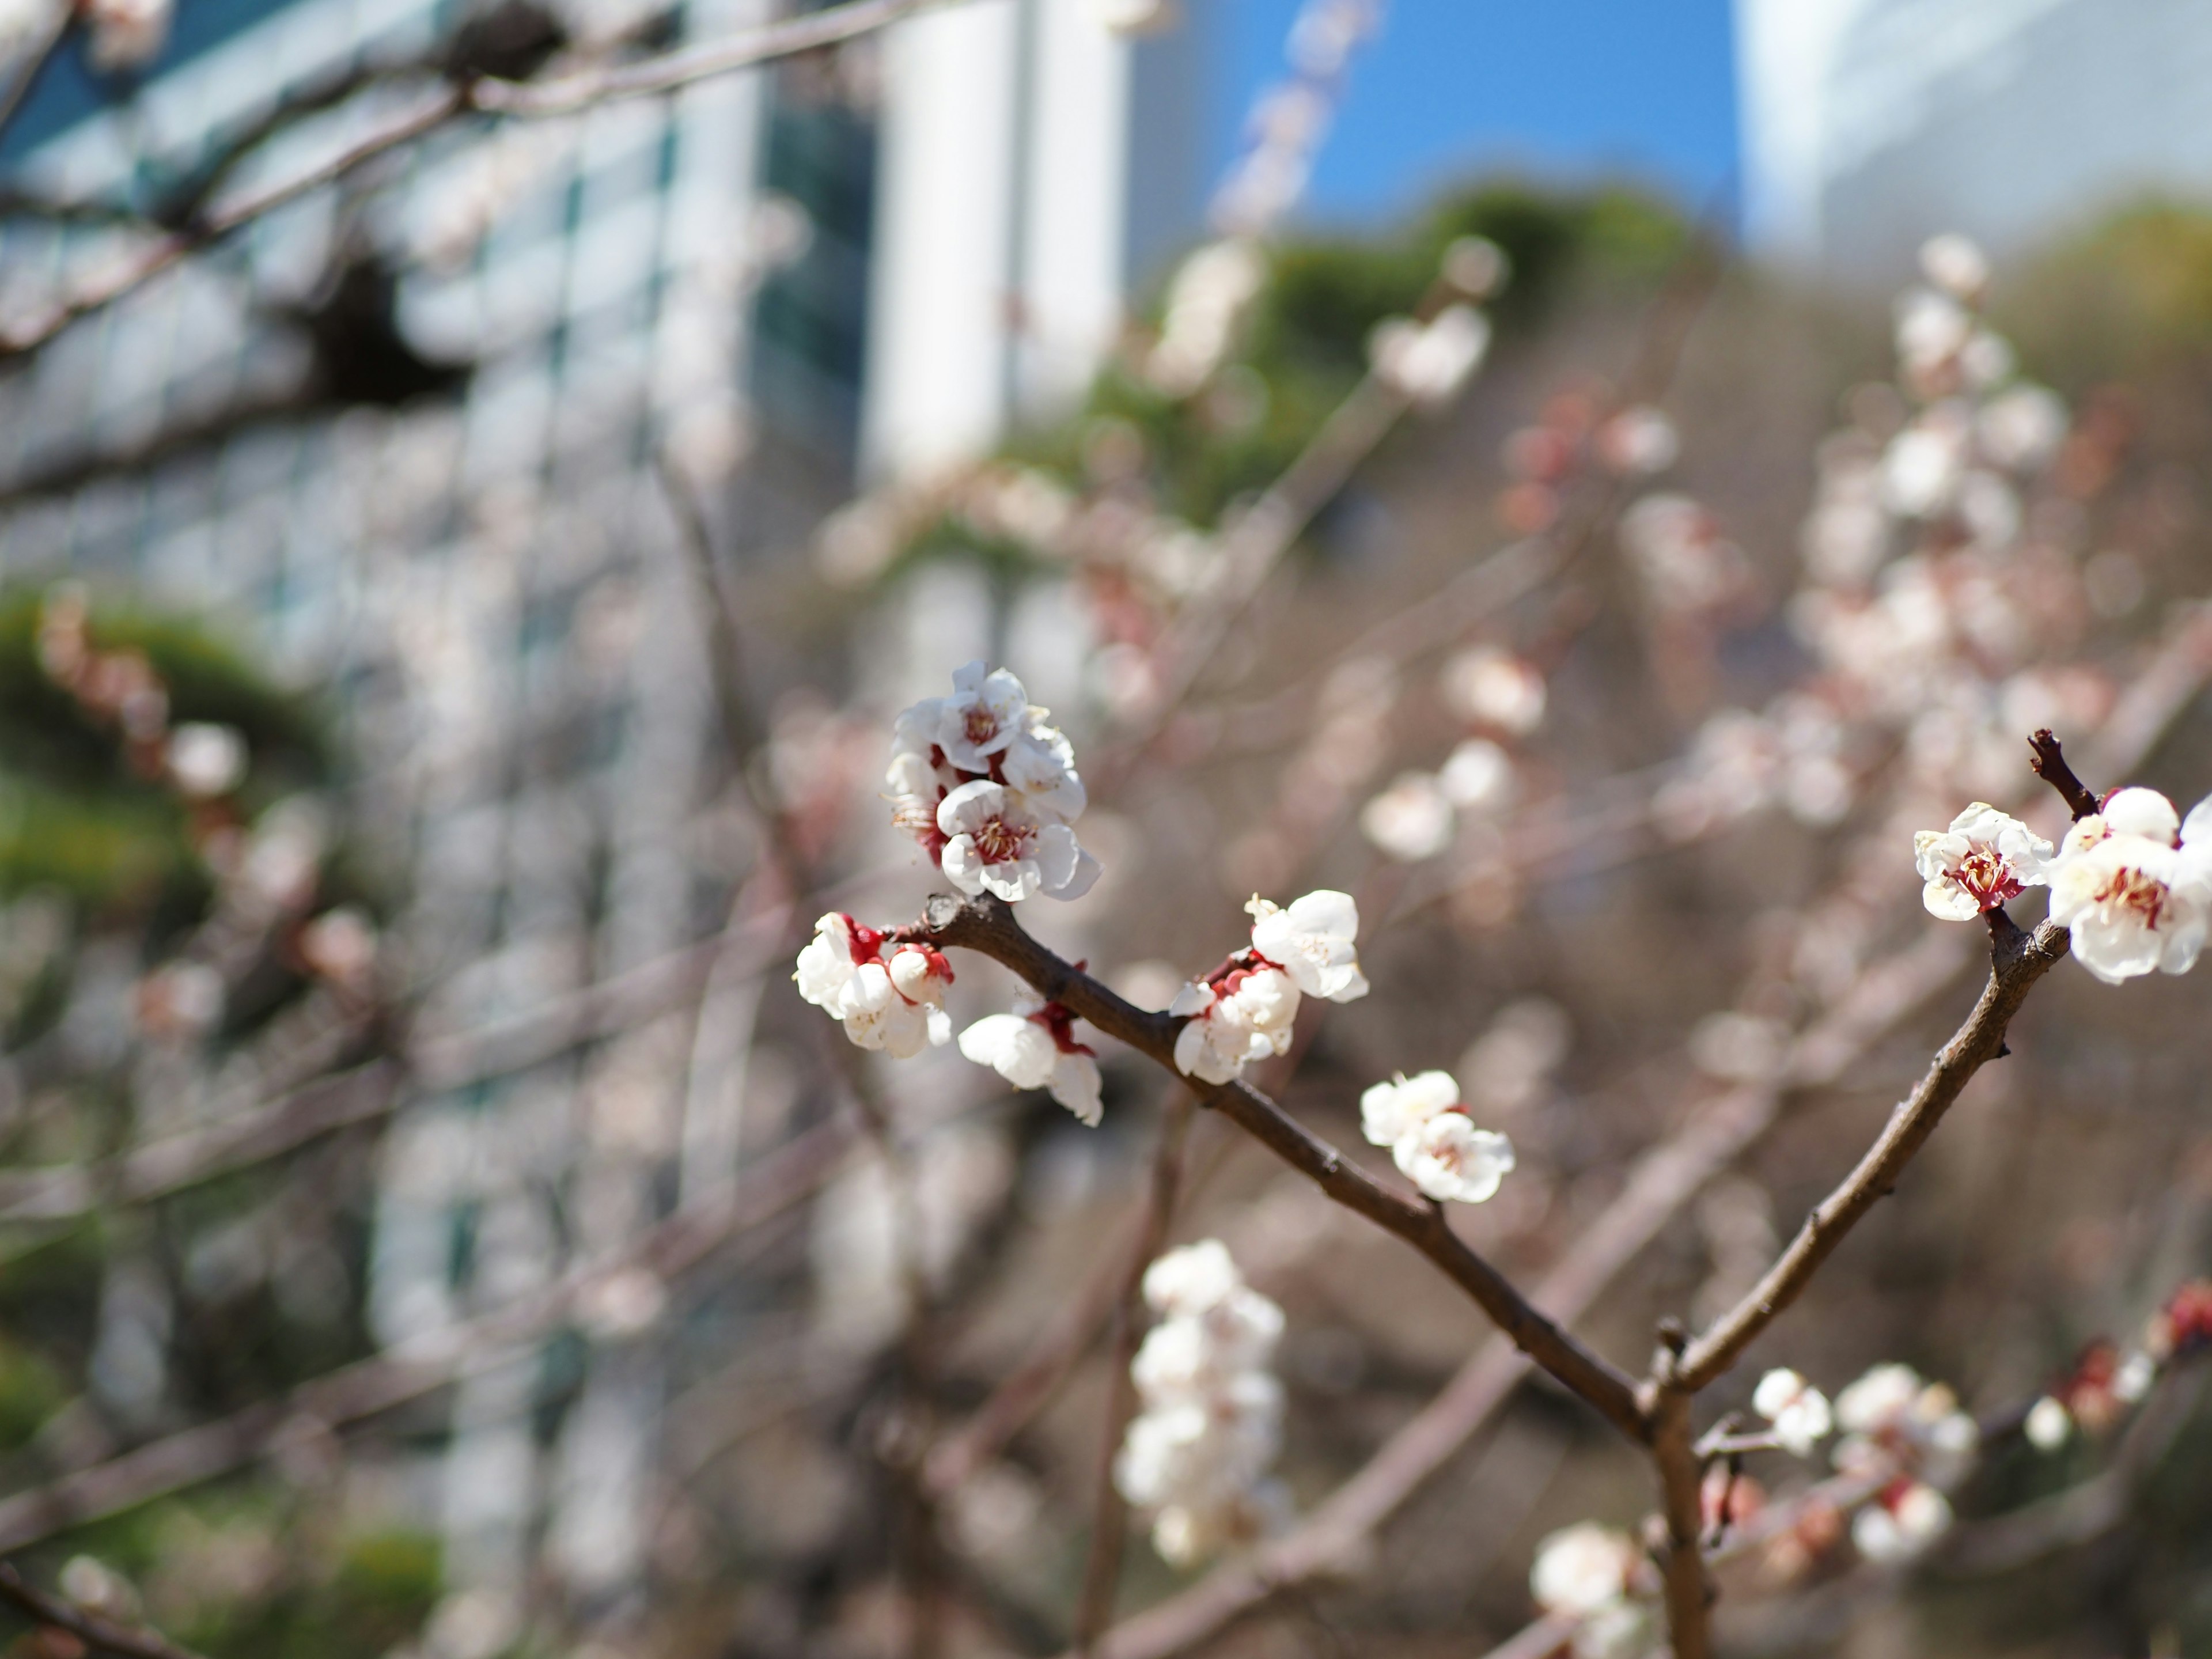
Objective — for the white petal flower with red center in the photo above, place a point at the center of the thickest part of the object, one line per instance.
(1034, 1047)
(995, 840)
(1985, 859)
(984, 715)
(1313, 942)
(1798, 1411)
(894, 1005)
(2133, 885)
(877, 1017)
(1452, 1161)
(1246, 1014)
(1041, 762)
(1388, 1112)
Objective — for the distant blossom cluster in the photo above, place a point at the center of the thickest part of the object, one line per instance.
(1245, 1009)
(2132, 883)
(1197, 1456)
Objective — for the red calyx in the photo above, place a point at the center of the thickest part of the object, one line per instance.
(1057, 1018)
(868, 942)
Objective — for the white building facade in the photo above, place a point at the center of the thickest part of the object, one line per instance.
(1870, 125)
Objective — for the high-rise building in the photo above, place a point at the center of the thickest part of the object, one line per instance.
(409, 437)
(1869, 124)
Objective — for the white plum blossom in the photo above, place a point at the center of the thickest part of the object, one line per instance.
(1034, 1048)
(205, 760)
(1893, 1419)
(1428, 363)
(126, 34)
(1451, 1160)
(2133, 884)
(1246, 1009)
(1985, 858)
(1955, 265)
(1248, 1015)
(1798, 1411)
(996, 840)
(1904, 1520)
(2048, 1424)
(1197, 1454)
(1582, 1568)
(896, 1006)
(1477, 776)
(1432, 1139)
(1585, 1573)
(1314, 941)
(990, 790)
(1411, 820)
(1495, 689)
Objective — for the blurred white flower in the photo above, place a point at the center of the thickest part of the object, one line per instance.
(1477, 776)
(1954, 264)
(1583, 1569)
(1428, 363)
(1476, 266)
(1798, 1411)
(1206, 300)
(1495, 689)
(1411, 820)
(1901, 1524)
(2048, 1424)
(1881, 1399)
(1638, 441)
(1926, 463)
(205, 760)
(2022, 428)
(1985, 859)
(1197, 1454)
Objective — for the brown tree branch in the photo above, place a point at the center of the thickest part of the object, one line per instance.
(1688, 1591)
(2047, 762)
(2018, 960)
(987, 925)
(97, 1632)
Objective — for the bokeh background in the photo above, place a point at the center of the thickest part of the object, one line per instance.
(450, 627)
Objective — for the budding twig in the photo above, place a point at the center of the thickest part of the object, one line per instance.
(987, 925)
(97, 1632)
(2048, 763)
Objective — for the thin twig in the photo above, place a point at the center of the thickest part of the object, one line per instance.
(2018, 961)
(96, 1632)
(987, 925)
(2048, 763)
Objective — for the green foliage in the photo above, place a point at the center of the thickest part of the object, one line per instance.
(74, 817)
(30, 1393)
(1305, 344)
(2131, 295)
(383, 1587)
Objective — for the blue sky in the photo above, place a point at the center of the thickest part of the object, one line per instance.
(1563, 87)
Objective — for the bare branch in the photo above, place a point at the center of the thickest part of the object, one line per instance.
(2018, 961)
(743, 49)
(987, 925)
(100, 1634)
(1687, 1589)
(2047, 762)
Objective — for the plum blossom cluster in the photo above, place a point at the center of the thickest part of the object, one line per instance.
(890, 994)
(1910, 1434)
(1197, 1454)
(990, 791)
(1500, 697)
(1034, 1047)
(1245, 1009)
(2103, 1382)
(1798, 1414)
(1941, 584)
(2132, 883)
(1433, 1140)
(1593, 1575)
